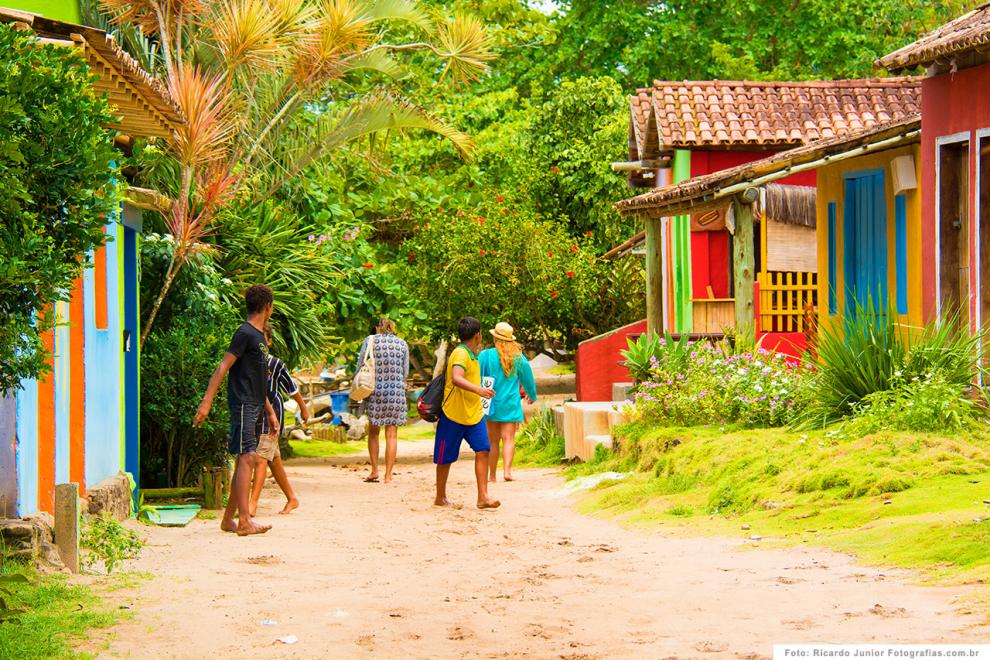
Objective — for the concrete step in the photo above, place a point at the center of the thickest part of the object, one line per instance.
(588, 424)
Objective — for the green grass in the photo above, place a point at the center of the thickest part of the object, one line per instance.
(60, 615)
(561, 369)
(537, 443)
(901, 499)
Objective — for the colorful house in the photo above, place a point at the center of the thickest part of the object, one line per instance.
(680, 131)
(80, 423)
(955, 164)
(868, 208)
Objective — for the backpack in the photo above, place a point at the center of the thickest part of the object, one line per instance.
(364, 381)
(430, 401)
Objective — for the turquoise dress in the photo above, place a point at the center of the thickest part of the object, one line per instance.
(507, 404)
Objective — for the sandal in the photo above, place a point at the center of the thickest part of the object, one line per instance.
(371, 480)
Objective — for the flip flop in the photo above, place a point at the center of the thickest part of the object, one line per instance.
(371, 480)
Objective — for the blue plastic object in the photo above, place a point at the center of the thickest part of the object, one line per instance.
(339, 402)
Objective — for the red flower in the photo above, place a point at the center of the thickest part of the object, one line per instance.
(440, 210)
(500, 199)
(550, 254)
(570, 273)
(553, 294)
(460, 213)
(481, 221)
(481, 252)
(555, 170)
(574, 248)
(505, 211)
(411, 256)
(368, 265)
(588, 234)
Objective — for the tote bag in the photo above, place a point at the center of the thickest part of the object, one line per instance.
(364, 381)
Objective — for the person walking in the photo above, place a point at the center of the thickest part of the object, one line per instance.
(386, 406)
(512, 379)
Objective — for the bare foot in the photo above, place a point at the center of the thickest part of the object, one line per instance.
(441, 501)
(508, 477)
(228, 525)
(253, 510)
(388, 479)
(492, 479)
(251, 528)
(290, 506)
(489, 504)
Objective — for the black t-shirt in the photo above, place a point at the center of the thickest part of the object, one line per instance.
(248, 379)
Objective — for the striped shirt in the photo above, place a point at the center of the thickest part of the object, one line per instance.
(279, 382)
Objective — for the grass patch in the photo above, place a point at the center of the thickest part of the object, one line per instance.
(538, 444)
(561, 369)
(323, 448)
(60, 615)
(904, 499)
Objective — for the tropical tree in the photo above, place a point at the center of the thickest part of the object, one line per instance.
(57, 187)
(270, 87)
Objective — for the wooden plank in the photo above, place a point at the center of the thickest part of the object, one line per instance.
(654, 277)
(743, 261)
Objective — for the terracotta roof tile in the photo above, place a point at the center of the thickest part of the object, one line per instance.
(967, 33)
(720, 114)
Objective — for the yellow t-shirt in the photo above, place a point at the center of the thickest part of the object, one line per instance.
(460, 405)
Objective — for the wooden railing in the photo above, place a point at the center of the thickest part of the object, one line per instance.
(784, 297)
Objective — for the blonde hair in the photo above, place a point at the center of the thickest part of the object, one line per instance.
(508, 353)
(386, 326)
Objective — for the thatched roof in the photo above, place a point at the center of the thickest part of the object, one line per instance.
(790, 205)
(711, 190)
(143, 104)
(965, 35)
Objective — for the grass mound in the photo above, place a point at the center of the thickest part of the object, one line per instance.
(908, 499)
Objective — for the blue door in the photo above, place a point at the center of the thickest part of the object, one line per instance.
(865, 240)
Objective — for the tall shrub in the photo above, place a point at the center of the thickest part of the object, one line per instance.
(56, 190)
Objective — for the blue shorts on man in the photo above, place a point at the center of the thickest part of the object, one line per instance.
(246, 421)
(450, 434)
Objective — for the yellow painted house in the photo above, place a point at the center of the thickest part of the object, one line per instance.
(869, 233)
(868, 213)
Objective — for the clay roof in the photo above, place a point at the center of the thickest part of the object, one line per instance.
(717, 114)
(712, 189)
(970, 32)
(143, 104)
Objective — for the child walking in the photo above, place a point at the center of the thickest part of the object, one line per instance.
(279, 383)
(462, 417)
(247, 361)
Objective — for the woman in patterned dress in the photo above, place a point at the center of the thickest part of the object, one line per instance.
(386, 406)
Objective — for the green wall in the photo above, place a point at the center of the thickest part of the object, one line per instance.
(681, 257)
(62, 10)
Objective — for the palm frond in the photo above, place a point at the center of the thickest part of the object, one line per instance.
(379, 112)
(206, 102)
(245, 32)
(397, 10)
(375, 60)
(465, 46)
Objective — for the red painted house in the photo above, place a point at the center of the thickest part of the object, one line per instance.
(955, 163)
(683, 130)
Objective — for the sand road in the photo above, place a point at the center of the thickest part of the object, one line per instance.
(366, 569)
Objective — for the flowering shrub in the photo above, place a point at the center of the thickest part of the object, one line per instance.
(929, 403)
(710, 385)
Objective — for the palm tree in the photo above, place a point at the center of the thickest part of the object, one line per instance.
(268, 87)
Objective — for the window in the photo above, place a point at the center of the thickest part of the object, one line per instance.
(900, 248)
(833, 257)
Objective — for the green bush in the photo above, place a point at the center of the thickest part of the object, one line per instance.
(538, 442)
(930, 404)
(106, 541)
(57, 186)
(869, 353)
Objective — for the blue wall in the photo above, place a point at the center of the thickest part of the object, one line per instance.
(104, 369)
(27, 447)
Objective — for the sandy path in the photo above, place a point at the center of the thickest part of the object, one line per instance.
(364, 569)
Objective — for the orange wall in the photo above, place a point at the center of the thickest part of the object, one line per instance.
(46, 431)
(77, 388)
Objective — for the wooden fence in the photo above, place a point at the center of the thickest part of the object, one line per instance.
(784, 296)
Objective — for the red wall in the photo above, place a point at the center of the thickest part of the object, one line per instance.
(950, 103)
(710, 249)
(596, 365)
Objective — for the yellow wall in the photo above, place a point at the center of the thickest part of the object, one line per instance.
(831, 189)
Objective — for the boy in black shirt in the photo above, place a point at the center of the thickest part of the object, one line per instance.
(247, 361)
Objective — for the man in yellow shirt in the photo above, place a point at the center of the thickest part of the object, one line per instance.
(462, 417)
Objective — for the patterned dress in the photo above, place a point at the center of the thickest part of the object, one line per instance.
(387, 404)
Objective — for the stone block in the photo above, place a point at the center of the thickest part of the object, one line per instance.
(558, 420)
(620, 391)
(112, 496)
(581, 420)
(67, 524)
(32, 538)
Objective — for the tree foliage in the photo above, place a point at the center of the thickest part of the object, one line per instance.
(57, 187)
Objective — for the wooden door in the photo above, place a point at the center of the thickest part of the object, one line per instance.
(953, 230)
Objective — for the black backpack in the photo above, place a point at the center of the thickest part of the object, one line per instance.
(430, 401)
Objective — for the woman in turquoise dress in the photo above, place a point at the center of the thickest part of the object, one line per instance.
(512, 379)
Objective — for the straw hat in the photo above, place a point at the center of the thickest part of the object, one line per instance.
(503, 332)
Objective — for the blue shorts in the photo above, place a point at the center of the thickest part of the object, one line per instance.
(447, 446)
(246, 420)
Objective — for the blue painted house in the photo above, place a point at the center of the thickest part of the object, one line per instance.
(80, 422)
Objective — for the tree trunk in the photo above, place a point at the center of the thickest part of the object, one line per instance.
(213, 478)
(744, 262)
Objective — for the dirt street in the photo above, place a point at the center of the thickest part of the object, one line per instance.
(366, 569)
